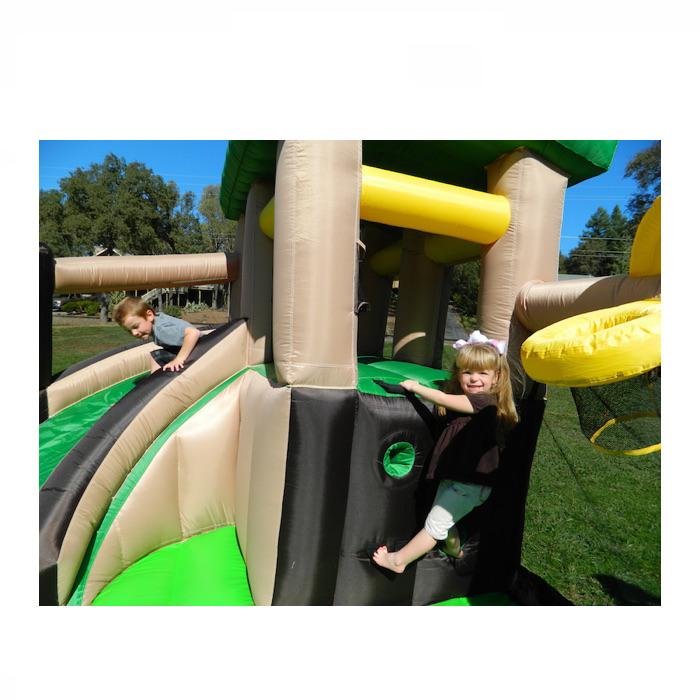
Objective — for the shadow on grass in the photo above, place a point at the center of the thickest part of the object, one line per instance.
(624, 593)
(530, 589)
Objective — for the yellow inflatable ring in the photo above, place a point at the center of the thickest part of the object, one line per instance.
(625, 419)
(598, 347)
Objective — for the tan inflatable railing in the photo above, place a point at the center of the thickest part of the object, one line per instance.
(539, 304)
(106, 274)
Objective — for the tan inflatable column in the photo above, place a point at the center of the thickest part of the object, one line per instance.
(317, 197)
(528, 251)
(422, 306)
(376, 291)
(256, 277)
(234, 288)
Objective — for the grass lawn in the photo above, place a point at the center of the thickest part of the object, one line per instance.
(593, 522)
(72, 344)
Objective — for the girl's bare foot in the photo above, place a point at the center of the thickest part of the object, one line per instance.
(387, 559)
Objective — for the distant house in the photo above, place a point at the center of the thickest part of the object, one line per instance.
(98, 251)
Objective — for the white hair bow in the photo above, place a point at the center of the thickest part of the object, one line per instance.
(479, 337)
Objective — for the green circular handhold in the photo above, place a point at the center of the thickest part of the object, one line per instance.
(399, 459)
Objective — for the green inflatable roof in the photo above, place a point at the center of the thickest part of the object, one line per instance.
(459, 163)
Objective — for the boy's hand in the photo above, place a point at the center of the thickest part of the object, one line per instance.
(409, 385)
(174, 365)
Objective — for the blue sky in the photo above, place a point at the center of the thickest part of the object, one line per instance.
(194, 164)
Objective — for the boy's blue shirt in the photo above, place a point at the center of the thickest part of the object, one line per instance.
(168, 331)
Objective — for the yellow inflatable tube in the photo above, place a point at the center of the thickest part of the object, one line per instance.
(434, 207)
(598, 347)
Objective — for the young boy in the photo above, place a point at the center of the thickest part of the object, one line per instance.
(176, 337)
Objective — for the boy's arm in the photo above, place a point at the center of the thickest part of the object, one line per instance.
(188, 343)
(454, 402)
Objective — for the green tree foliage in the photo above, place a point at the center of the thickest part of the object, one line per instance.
(220, 232)
(188, 234)
(620, 235)
(51, 229)
(465, 287)
(604, 247)
(645, 168)
(126, 206)
(562, 262)
(606, 242)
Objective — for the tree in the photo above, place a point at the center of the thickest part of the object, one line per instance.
(221, 231)
(605, 245)
(587, 257)
(562, 262)
(620, 236)
(645, 168)
(189, 236)
(465, 287)
(112, 205)
(51, 229)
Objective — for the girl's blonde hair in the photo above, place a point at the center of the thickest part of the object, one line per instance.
(481, 356)
(130, 306)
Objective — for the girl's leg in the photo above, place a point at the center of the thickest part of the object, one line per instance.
(452, 502)
(452, 545)
(470, 496)
(421, 544)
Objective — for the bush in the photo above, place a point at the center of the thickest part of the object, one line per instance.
(175, 311)
(114, 299)
(82, 306)
(92, 308)
(193, 306)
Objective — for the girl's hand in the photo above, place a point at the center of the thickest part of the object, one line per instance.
(409, 385)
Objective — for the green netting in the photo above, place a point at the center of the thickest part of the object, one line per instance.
(399, 459)
(622, 418)
(207, 569)
(60, 433)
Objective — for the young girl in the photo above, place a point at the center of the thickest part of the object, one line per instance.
(479, 406)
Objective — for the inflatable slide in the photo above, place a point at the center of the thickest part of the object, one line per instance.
(266, 469)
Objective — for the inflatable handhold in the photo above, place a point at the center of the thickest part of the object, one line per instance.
(598, 347)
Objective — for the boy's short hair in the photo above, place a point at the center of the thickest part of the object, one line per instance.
(130, 306)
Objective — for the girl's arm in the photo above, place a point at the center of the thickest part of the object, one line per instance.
(453, 402)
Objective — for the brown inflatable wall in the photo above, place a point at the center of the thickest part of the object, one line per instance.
(260, 474)
(256, 277)
(422, 305)
(376, 291)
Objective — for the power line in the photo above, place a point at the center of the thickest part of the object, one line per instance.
(602, 238)
(601, 254)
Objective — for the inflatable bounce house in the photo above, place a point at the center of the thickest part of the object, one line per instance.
(264, 470)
